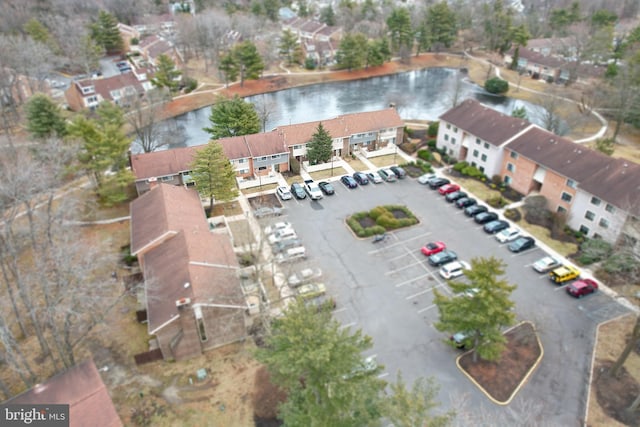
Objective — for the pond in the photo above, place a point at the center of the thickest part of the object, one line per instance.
(418, 95)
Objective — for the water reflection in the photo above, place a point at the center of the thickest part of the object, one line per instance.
(418, 95)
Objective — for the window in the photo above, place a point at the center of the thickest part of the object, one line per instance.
(486, 145)
(561, 210)
(481, 169)
(584, 230)
(453, 141)
(595, 201)
(243, 171)
(241, 160)
(478, 141)
(455, 129)
(571, 183)
(448, 126)
(511, 167)
(450, 152)
(446, 136)
(566, 197)
(610, 208)
(507, 180)
(483, 157)
(166, 178)
(297, 147)
(513, 155)
(604, 223)
(263, 158)
(475, 153)
(275, 156)
(590, 215)
(261, 168)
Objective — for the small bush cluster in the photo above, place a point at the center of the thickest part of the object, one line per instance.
(190, 84)
(425, 155)
(594, 250)
(433, 130)
(384, 220)
(497, 202)
(513, 214)
(468, 170)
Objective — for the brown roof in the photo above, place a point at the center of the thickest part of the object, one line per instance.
(484, 122)
(187, 253)
(538, 58)
(170, 162)
(615, 181)
(154, 218)
(80, 387)
(162, 163)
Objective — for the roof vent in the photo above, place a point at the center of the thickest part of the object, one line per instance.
(183, 302)
(186, 285)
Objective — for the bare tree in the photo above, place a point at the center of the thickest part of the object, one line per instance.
(265, 109)
(143, 115)
(632, 342)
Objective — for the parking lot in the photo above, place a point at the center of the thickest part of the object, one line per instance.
(386, 289)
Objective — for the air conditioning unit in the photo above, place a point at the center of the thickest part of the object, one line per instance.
(182, 302)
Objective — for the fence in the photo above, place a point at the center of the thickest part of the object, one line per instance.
(148, 356)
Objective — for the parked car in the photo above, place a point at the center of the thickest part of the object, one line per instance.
(424, 179)
(448, 188)
(452, 197)
(326, 188)
(291, 255)
(582, 287)
(280, 235)
(485, 217)
(123, 66)
(508, 235)
(460, 339)
(438, 182)
(349, 182)
(522, 244)
(387, 174)
(267, 211)
(311, 290)
(495, 226)
(474, 210)
(312, 189)
(433, 248)
(298, 191)
(361, 178)
(281, 225)
(374, 177)
(546, 264)
(321, 303)
(454, 269)
(284, 193)
(283, 245)
(465, 202)
(564, 274)
(399, 172)
(303, 276)
(443, 257)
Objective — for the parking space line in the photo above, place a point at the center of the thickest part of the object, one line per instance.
(415, 279)
(384, 374)
(348, 325)
(340, 310)
(396, 257)
(422, 310)
(561, 287)
(390, 272)
(525, 252)
(417, 294)
(419, 236)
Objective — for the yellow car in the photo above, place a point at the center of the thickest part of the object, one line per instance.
(564, 274)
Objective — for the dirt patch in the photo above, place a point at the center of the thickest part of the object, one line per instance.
(228, 209)
(266, 398)
(265, 200)
(367, 222)
(615, 395)
(502, 379)
(399, 214)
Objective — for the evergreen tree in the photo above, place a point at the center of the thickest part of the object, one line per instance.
(44, 117)
(249, 61)
(319, 364)
(213, 174)
(480, 308)
(423, 38)
(271, 9)
(520, 113)
(106, 34)
(352, 53)
(232, 117)
(399, 24)
(441, 22)
(520, 36)
(319, 149)
(229, 68)
(289, 47)
(166, 74)
(37, 31)
(327, 16)
(497, 22)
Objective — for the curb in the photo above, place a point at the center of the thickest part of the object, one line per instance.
(522, 382)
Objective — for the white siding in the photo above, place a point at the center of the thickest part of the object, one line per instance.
(582, 205)
(450, 138)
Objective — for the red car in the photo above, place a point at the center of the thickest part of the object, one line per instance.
(582, 287)
(433, 248)
(448, 188)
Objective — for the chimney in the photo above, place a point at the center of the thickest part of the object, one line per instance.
(153, 182)
(183, 302)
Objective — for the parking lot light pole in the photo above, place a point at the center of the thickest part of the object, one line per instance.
(332, 156)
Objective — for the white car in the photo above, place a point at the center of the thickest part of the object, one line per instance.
(280, 235)
(546, 264)
(284, 193)
(454, 269)
(424, 179)
(302, 276)
(312, 290)
(277, 227)
(374, 177)
(508, 235)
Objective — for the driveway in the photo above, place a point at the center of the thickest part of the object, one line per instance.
(386, 289)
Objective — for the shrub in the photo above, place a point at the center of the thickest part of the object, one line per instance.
(458, 167)
(353, 223)
(496, 201)
(135, 41)
(190, 84)
(433, 129)
(496, 85)
(620, 263)
(309, 64)
(497, 180)
(376, 212)
(408, 131)
(387, 221)
(409, 147)
(432, 144)
(472, 171)
(594, 250)
(513, 215)
(425, 155)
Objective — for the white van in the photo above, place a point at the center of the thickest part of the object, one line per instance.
(453, 269)
(291, 255)
(282, 234)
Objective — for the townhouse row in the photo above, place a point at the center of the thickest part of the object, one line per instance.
(599, 194)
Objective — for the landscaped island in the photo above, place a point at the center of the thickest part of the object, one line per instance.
(381, 219)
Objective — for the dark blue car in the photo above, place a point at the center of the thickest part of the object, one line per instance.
(349, 182)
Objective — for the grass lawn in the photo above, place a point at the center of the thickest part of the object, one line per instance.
(264, 187)
(479, 190)
(357, 164)
(388, 160)
(320, 175)
(294, 178)
(544, 235)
